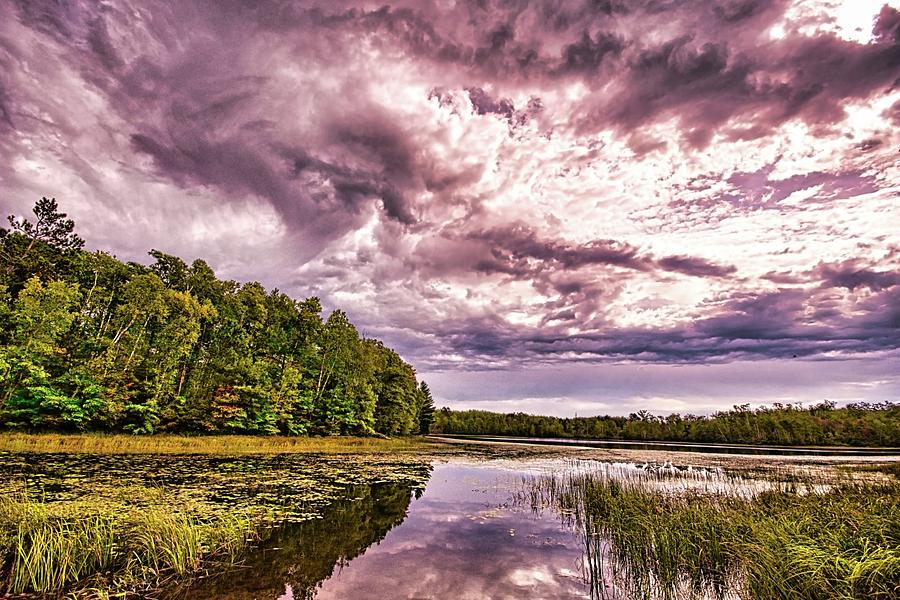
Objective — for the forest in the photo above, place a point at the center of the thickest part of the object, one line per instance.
(823, 424)
(91, 343)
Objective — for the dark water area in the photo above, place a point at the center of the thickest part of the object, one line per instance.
(682, 446)
(462, 537)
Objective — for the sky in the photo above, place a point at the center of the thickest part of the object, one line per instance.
(561, 207)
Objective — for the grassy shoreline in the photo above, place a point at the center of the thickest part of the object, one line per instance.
(98, 548)
(101, 443)
(793, 541)
(139, 519)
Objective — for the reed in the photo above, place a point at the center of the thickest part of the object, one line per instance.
(51, 556)
(48, 548)
(97, 443)
(795, 540)
(890, 469)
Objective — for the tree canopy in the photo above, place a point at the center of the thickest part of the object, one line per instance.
(88, 342)
(823, 424)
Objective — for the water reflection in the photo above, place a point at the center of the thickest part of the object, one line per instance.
(462, 538)
(297, 558)
(705, 448)
(478, 529)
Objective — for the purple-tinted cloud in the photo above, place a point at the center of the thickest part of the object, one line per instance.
(486, 184)
(695, 266)
(851, 275)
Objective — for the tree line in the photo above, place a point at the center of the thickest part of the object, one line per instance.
(91, 343)
(823, 424)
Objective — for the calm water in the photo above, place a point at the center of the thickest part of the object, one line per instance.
(683, 446)
(371, 527)
(463, 537)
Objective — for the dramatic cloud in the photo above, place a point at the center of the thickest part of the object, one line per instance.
(492, 186)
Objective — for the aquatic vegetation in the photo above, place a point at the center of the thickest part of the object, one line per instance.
(891, 469)
(303, 555)
(133, 521)
(291, 486)
(99, 443)
(102, 525)
(778, 540)
(48, 547)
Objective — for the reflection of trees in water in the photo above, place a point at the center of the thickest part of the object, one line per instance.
(351, 525)
(303, 555)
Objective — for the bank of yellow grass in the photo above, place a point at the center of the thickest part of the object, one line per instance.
(95, 443)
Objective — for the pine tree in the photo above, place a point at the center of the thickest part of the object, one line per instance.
(51, 227)
(426, 409)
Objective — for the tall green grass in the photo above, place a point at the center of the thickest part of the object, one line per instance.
(48, 548)
(790, 542)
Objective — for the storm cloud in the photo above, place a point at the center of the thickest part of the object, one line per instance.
(490, 185)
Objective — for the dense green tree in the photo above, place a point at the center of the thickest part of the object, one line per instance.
(171, 270)
(822, 424)
(426, 408)
(397, 393)
(88, 342)
(33, 362)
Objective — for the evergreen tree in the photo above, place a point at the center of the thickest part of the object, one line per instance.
(50, 226)
(426, 409)
(43, 247)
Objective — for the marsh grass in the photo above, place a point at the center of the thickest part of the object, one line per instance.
(785, 540)
(95, 525)
(890, 469)
(49, 548)
(97, 443)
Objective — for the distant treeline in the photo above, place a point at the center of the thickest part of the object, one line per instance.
(860, 424)
(88, 342)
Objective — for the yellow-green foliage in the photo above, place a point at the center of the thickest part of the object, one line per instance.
(89, 343)
(225, 444)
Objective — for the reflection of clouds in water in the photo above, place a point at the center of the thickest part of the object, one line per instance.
(664, 477)
(471, 535)
(457, 543)
(502, 476)
(533, 577)
(500, 479)
(472, 560)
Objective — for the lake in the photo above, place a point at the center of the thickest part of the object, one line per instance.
(680, 446)
(463, 537)
(467, 525)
